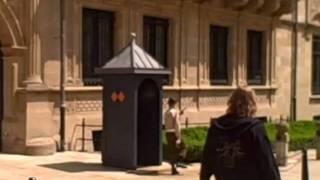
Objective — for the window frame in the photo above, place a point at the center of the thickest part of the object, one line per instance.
(315, 52)
(163, 23)
(157, 23)
(226, 80)
(88, 76)
(263, 59)
(229, 20)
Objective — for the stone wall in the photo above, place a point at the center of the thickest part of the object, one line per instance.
(30, 43)
(188, 52)
(308, 24)
(13, 51)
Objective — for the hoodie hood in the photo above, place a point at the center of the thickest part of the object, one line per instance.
(235, 126)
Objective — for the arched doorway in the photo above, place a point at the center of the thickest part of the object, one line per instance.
(149, 130)
(11, 43)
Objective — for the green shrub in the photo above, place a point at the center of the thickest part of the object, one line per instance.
(194, 139)
(301, 134)
(271, 131)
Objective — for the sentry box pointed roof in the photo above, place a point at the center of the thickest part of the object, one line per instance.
(132, 60)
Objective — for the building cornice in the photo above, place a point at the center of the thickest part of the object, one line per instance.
(263, 7)
(301, 25)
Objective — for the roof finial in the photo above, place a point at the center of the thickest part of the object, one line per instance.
(133, 36)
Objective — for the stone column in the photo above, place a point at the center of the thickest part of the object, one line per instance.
(189, 43)
(33, 66)
(318, 139)
(282, 143)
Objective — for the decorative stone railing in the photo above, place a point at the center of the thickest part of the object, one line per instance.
(265, 7)
(237, 4)
(286, 6)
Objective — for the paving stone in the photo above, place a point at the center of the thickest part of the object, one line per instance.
(78, 166)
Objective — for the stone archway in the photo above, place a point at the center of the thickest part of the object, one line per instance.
(11, 44)
(10, 32)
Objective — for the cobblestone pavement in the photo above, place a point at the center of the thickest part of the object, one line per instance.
(78, 166)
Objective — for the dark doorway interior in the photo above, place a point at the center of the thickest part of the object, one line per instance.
(1, 95)
(148, 124)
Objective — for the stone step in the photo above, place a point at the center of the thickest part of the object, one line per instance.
(40, 147)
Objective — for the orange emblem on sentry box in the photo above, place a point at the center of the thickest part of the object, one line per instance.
(114, 96)
(121, 96)
(118, 96)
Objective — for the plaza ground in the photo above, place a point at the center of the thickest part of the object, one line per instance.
(78, 166)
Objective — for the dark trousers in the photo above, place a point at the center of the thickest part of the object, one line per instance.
(177, 152)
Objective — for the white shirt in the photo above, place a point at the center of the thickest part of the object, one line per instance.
(171, 122)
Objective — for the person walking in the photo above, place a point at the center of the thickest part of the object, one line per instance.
(176, 146)
(237, 146)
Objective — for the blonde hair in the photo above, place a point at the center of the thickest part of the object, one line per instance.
(242, 102)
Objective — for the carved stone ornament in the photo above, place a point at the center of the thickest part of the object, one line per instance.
(282, 131)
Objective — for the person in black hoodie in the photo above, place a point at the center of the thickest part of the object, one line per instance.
(237, 147)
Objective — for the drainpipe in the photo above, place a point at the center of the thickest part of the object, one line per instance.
(294, 61)
(179, 64)
(199, 49)
(306, 21)
(306, 18)
(62, 77)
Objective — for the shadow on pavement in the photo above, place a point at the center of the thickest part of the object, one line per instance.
(144, 173)
(74, 167)
(162, 170)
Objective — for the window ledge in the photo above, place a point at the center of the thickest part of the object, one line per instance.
(315, 97)
(226, 88)
(217, 87)
(198, 88)
(254, 87)
(166, 88)
(176, 88)
(78, 88)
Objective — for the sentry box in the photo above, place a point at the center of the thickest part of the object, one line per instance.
(132, 109)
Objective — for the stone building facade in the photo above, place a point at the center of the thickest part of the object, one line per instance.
(254, 46)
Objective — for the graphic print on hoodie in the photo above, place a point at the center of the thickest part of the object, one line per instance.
(230, 153)
(238, 148)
